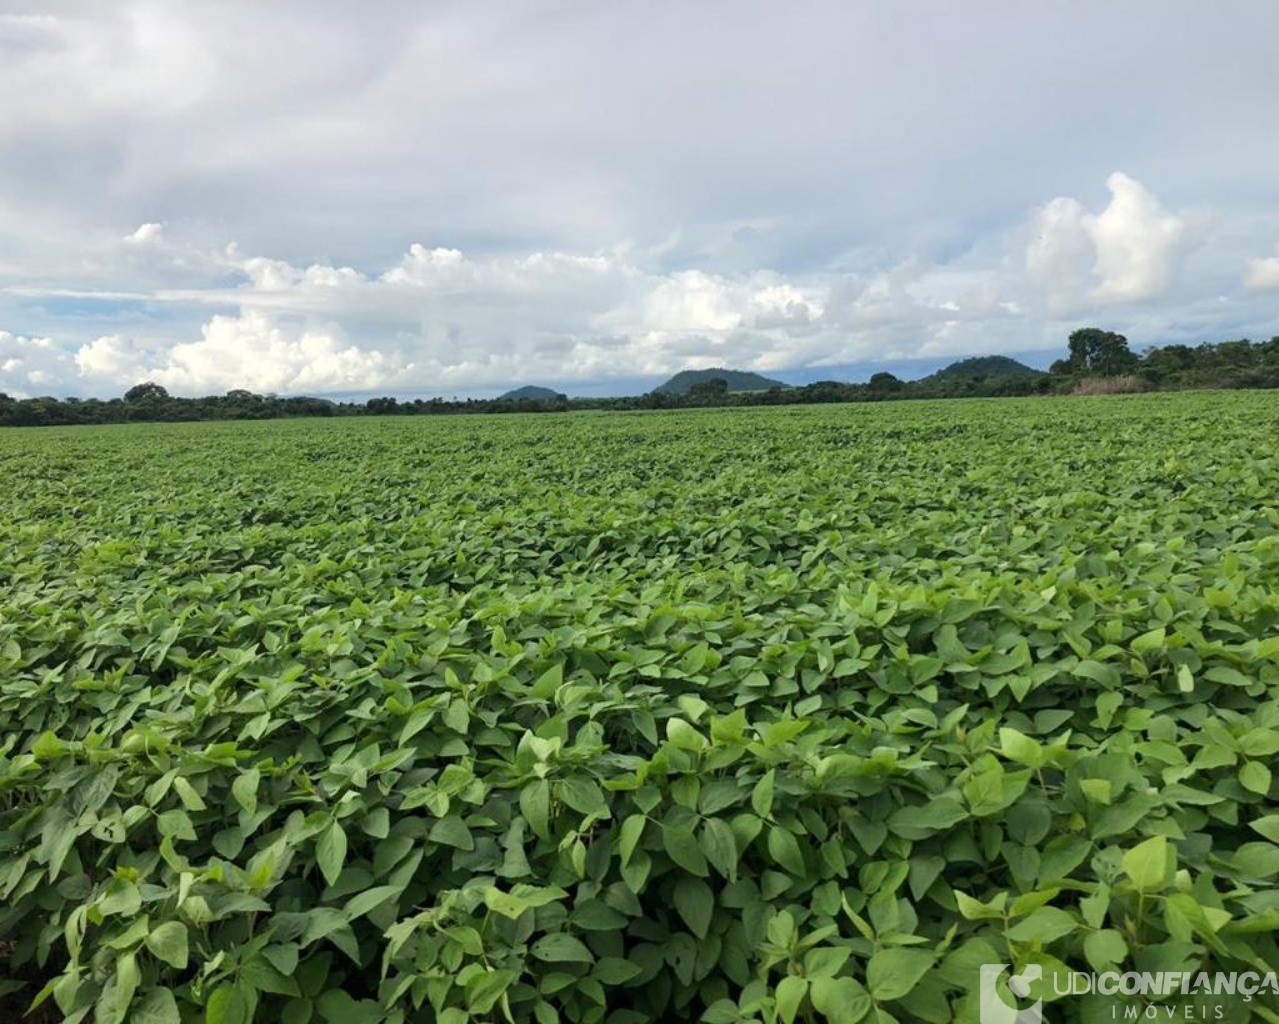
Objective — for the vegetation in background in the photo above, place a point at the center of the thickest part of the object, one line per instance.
(1095, 353)
(686, 381)
(1128, 385)
(531, 392)
(393, 720)
(1095, 357)
(987, 366)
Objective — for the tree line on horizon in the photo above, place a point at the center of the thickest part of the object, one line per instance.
(1097, 361)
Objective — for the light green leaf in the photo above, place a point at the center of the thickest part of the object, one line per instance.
(226, 1005)
(168, 942)
(839, 1000)
(245, 789)
(191, 800)
(1147, 864)
(1020, 748)
(789, 995)
(535, 805)
(684, 736)
(893, 973)
(1043, 926)
(1104, 949)
(1268, 826)
(1097, 791)
(762, 794)
(370, 899)
(330, 852)
(1255, 777)
(157, 1006)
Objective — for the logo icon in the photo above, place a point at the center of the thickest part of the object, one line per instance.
(994, 1008)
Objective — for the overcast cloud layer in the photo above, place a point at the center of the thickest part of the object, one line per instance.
(452, 199)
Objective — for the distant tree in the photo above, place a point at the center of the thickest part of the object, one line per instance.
(716, 387)
(1113, 358)
(1236, 353)
(148, 391)
(881, 382)
(826, 391)
(1079, 345)
(1101, 353)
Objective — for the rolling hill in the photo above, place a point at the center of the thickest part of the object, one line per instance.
(531, 393)
(738, 380)
(987, 366)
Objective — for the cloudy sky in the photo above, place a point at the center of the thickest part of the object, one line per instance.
(455, 198)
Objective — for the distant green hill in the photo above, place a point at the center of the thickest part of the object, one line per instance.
(987, 366)
(532, 393)
(737, 380)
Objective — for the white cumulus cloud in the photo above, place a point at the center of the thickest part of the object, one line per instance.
(147, 234)
(441, 320)
(110, 357)
(691, 300)
(1138, 242)
(1128, 252)
(257, 352)
(254, 350)
(1263, 273)
(28, 363)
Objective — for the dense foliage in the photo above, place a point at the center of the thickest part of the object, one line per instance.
(765, 715)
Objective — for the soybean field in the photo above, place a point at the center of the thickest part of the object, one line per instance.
(767, 715)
